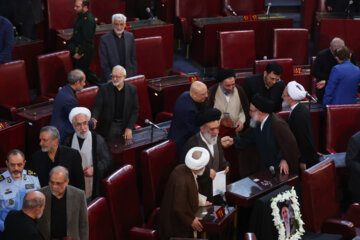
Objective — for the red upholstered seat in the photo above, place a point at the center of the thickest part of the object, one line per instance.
(244, 6)
(166, 10)
(86, 97)
(100, 222)
(285, 63)
(53, 71)
(150, 57)
(187, 10)
(120, 190)
(10, 138)
(321, 210)
(342, 121)
(103, 10)
(60, 14)
(291, 43)
(143, 98)
(237, 49)
(14, 88)
(157, 163)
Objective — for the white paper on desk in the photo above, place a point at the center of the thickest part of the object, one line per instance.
(219, 183)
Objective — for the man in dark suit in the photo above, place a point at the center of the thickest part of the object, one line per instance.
(27, 14)
(52, 154)
(267, 84)
(209, 122)
(66, 100)
(65, 213)
(300, 124)
(21, 225)
(116, 107)
(94, 151)
(117, 47)
(353, 163)
(186, 107)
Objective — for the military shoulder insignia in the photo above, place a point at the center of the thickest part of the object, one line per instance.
(8, 179)
(85, 18)
(32, 173)
(11, 202)
(2, 178)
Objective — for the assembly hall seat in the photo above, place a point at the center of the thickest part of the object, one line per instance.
(243, 7)
(291, 43)
(11, 137)
(237, 49)
(53, 70)
(14, 87)
(87, 96)
(320, 207)
(60, 14)
(120, 191)
(100, 224)
(342, 121)
(104, 9)
(187, 10)
(285, 63)
(157, 164)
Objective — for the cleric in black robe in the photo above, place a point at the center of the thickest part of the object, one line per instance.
(275, 143)
(209, 123)
(353, 164)
(300, 124)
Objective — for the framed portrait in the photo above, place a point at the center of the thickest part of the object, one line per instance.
(286, 215)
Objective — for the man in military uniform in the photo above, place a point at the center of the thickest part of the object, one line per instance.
(81, 45)
(14, 184)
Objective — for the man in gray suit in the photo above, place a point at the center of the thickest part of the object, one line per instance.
(117, 47)
(65, 213)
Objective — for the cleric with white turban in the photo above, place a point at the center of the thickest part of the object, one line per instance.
(79, 110)
(296, 91)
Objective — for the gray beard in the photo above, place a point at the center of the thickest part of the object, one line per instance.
(209, 138)
(226, 92)
(201, 172)
(285, 104)
(253, 123)
(82, 136)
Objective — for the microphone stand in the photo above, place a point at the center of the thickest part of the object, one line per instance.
(152, 133)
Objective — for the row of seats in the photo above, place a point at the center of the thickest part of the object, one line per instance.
(118, 214)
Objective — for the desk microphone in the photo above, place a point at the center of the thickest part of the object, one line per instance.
(147, 121)
(272, 170)
(148, 10)
(231, 10)
(268, 9)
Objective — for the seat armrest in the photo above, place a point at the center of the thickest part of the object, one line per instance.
(137, 127)
(176, 72)
(7, 111)
(338, 226)
(250, 236)
(353, 214)
(42, 98)
(137, 233)
(151, 222)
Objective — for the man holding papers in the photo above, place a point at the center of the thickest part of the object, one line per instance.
(209, 122)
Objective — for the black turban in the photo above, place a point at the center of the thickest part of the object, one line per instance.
(224, 74)
(208, 115)
(262, 103)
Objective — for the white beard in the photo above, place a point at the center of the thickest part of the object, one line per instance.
(254, 121)
(82, 136)
(212, 140)
(116, 84)
(201, 172)
(285, 104)
(118, 32)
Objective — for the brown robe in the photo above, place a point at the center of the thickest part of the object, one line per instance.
(179, 204)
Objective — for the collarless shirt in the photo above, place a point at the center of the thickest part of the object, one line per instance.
(58, 217)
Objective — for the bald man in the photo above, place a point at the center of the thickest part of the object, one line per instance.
(22, 224)
(66, 100)
(186, 107)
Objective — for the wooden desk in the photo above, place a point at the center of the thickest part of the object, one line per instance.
(244, 192)
(130, 154)
(210, 221)
(204, 36)
(140, 29)
(36, 116)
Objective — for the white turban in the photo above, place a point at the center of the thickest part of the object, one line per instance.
(79, 110)
(197, 164)
(296, 91)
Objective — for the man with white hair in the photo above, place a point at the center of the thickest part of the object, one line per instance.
(209, 122)
(300, 124)
(117, 47)
(116, 107)
(95, 154)
(181, 197)
(323, 64)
